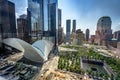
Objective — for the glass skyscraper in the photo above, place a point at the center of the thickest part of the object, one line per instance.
(7, 19)
(59, 18)
(43, 17)
(74, 26)
(34, 17)
(60, 30)
(87, 34)
(51, 17)
(68, 28)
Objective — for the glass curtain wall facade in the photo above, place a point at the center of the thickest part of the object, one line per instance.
(68, 28)
(44, 18)
(51, 20)
(54, 19)
(12, 19)
(74, 26)
(59, 18)
(7, 19)
(34, 18)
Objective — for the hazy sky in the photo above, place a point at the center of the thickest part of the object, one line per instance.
(86, 12)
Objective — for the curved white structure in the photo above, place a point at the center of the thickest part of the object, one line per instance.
(44, 47)
(38, 52)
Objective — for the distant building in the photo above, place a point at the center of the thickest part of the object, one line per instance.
(23, 28)
(117, 35)
(92, 39)
(23, 16)
(103, 32)
(68, 31)
(74, 26)
(87, 34)
(118, 45)
(7, 19)
(78, 37)
(113, 42)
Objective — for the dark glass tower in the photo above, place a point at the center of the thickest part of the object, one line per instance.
(68, 28)
(59, 18)
(74, 26)
(7, 19)
(59, 26)
(87, 34)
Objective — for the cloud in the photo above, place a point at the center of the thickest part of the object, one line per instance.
(89, 11)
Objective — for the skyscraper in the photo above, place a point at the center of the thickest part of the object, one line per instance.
(60, 30)
(43, 17)
(103, 32)
(68, 28)
(53, 16)
(74, 26)
(7, 19)
(59, 18)
(87, 34)
(34, 18)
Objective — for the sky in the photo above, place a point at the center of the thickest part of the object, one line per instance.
(86, 12)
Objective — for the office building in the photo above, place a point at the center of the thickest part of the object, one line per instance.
(87, 34)
(78, 37)
(103, 32)
(53, 21)
(43, 17)
(92, 39)
(117, 35)
(118, 45)
(7, 19)
(113, 42)
(68, 31)
(60, 30)
(34, 12)
(23, 28)
(74, 26)
(59, 18)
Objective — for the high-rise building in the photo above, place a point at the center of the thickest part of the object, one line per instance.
(59, 18)
(87, 34)
(68, 31)
(7, 19)
(34, 11)
(43, 17)
(60, 30)
(53, 21)
(23, 28)
(103, 32)
(74, 26)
